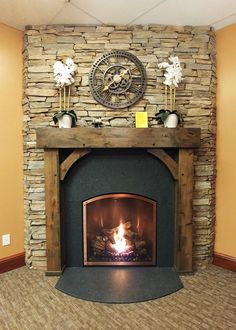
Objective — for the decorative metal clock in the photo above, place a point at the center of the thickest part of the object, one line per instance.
(117, 79)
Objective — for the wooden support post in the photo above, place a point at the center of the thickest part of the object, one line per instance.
(52, 203)
(184, 211)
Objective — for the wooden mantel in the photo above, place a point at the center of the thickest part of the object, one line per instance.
(86, 137)
(154, 140)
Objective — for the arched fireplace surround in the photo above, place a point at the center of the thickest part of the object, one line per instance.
(119, 175)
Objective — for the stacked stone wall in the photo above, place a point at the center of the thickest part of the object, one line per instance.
(195, 46)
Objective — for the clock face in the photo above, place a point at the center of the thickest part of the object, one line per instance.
(117, 79)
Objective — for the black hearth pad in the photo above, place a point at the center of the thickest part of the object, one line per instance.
(119, 284)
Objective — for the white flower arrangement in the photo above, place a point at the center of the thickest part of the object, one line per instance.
(173, 72)
(173, 76)
(63, 75)
(63, 72)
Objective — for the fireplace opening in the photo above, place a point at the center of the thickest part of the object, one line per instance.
(121, 171)
(119, 230)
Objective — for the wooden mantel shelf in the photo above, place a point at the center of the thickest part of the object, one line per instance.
(87, 137)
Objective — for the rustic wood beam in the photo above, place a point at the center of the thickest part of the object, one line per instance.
(167, 160)
(52, 204)
(70, 160)
(184, 211)
(87, 137)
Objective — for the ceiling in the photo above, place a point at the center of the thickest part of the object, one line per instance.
(19, 13)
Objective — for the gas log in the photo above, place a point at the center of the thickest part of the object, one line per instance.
(103, 244)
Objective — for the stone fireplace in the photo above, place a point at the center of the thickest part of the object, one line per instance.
(43, 45)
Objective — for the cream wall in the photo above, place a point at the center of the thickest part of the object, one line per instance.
(225, 242)
(11, 159)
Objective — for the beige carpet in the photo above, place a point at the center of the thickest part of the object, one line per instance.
(28, 300)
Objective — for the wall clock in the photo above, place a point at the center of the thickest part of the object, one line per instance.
(117, 79)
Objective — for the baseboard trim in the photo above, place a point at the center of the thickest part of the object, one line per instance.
(224, 261)
(12, 262)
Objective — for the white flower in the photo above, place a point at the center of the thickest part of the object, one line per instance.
(63, 73)
(163, 65)
(173, 71)
(71, 65)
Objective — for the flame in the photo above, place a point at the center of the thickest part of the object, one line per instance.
(120, 242)
(101, 222)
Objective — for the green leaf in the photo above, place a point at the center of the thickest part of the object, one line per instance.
(162, 115)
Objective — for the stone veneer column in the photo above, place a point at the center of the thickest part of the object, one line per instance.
(152, 44)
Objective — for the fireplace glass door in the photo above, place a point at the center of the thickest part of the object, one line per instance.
(120, 230)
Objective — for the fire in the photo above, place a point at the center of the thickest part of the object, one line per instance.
(120, 242)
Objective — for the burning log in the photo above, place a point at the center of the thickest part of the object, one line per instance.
(110, 247)
(139, 245)
(111, 232)
(98, 245)
(119, 242)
